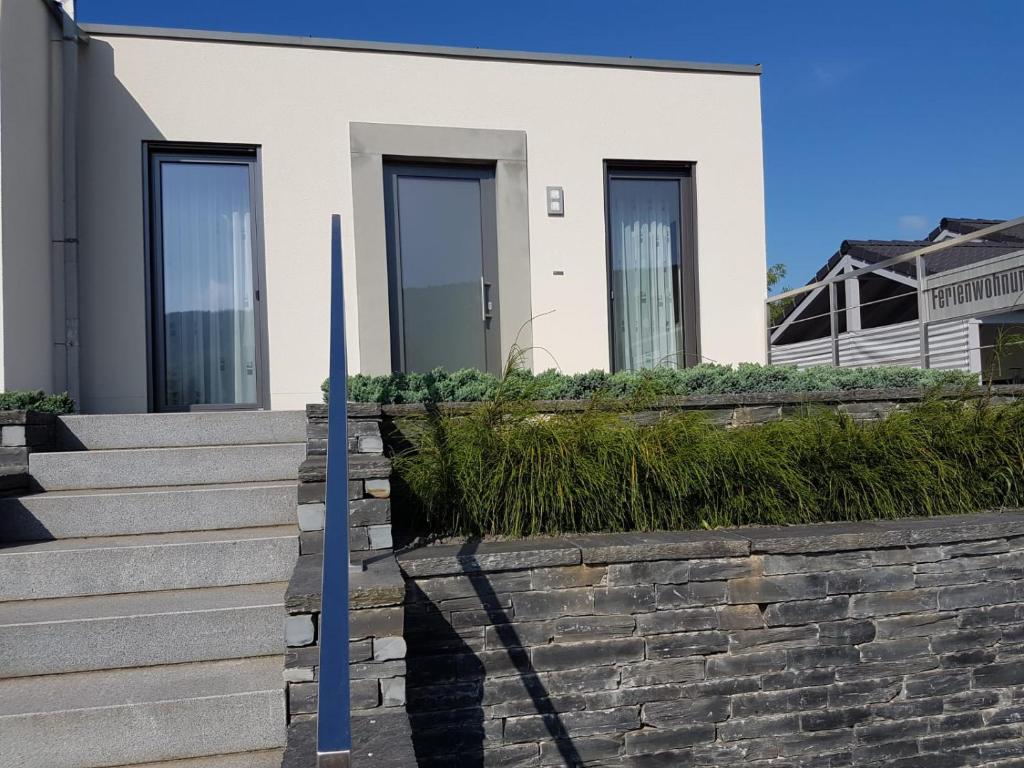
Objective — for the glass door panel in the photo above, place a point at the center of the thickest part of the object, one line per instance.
(443, 290)
(644, 221)
(207, 324)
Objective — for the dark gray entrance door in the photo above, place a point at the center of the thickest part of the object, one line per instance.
(442, 267)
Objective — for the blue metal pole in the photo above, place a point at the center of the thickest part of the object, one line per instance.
(334, 729)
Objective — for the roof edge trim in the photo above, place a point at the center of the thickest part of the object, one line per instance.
(621, 62)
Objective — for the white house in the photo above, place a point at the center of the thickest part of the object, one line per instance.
(166, 199)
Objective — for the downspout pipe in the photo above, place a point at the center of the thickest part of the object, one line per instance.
(65, 219)
(70, 165)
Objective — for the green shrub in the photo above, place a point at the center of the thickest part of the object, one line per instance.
(503, 469)
(470, 385)
(29, 400)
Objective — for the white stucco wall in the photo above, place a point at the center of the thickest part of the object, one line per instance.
(26, 76)
(297, 103)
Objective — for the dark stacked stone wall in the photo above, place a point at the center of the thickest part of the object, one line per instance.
(21, 433)
(739, 410)
(876, 644)
(376, 650)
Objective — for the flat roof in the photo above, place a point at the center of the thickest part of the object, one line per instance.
(621, 62)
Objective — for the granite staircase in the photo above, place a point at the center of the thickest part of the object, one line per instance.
(142, 592)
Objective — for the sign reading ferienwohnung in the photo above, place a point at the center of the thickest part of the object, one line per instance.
(997, 284)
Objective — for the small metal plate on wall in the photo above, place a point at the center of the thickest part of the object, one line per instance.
(556, 201)
(333, 760)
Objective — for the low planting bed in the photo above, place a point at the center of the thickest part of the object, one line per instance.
(512, 468)
(27, 421)
(36, 400)
(471, 385)
(650, 617)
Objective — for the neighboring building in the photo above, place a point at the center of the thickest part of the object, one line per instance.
(878, 313)
(186, 181)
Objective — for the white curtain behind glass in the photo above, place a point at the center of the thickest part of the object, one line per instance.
(209, 317)
(644, 224)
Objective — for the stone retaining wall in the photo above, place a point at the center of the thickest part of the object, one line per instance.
(21, 433)
(873, 644)
(369, 487)
(737, 410)
(376, 650)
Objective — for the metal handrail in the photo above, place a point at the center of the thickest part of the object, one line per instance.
(334, 728)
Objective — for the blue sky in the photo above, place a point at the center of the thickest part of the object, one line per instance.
(880, 116)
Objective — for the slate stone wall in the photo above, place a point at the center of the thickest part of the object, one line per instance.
(739, 410)
(376, 650)
(369, 487)
(21, 433)
(875, 644)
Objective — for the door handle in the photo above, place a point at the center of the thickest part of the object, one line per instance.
(486, 305)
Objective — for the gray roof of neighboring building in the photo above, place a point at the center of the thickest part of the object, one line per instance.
(621, 62)
(967, 226)
(874, 251)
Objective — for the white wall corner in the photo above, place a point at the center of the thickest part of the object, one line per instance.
(2, 379)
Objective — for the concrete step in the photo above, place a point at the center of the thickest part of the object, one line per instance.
(179, 430)
(81, 513)
(143, 467)
(144, 715)
(147, 563)
(77, 634)
(269, 758)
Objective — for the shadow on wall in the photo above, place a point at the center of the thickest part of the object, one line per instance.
(447, 634)
(29, 257)
(113, 300)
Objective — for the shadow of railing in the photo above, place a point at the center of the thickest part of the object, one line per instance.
(520, 658)
(445, 687)
(451, 718)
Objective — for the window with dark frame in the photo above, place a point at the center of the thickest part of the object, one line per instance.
(651, 266)
(205, 272)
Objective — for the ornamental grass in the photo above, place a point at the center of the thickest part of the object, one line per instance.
(504, 469)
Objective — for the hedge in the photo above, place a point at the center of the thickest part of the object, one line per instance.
(470, 385)
(504, 470)
(36, 400)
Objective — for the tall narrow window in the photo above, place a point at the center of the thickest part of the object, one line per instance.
(651, 264)
(204, 276)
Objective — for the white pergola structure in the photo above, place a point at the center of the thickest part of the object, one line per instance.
(946, 303)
